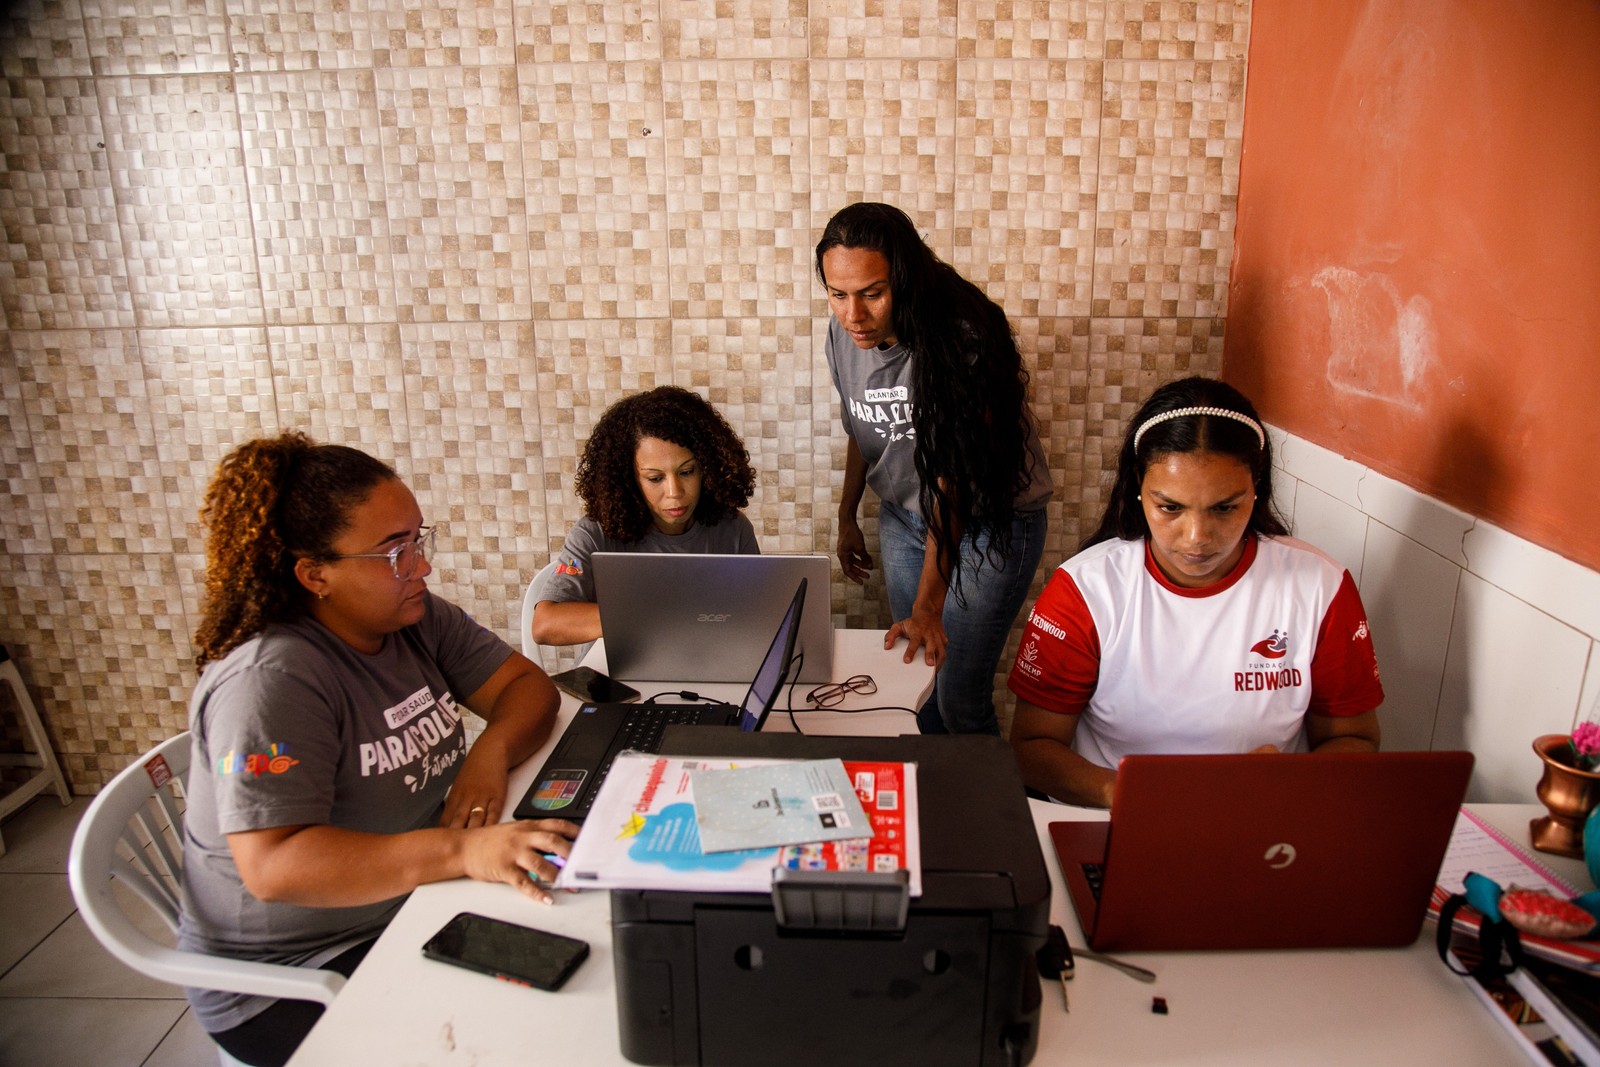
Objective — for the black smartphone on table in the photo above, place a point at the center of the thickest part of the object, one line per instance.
(586, 683)
(508, 951)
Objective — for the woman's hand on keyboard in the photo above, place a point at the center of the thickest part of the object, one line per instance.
(519, 854)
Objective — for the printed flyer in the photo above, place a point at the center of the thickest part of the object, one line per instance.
(800, 803)
(642, 832)
(888, 794)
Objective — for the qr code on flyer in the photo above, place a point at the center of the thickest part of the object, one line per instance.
(828, 801)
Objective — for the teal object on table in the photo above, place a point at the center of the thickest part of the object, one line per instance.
(1483, 893)
(1591, 845)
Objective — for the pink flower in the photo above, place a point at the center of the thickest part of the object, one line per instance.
(1586, 739)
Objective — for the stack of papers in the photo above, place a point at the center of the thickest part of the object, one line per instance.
(645, 830)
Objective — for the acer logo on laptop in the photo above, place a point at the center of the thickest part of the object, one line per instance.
(712, 617)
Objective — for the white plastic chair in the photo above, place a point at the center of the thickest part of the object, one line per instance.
(531, 648)
(133, 831)
(47, 770)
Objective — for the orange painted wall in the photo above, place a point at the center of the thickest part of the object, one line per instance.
(1416, 274)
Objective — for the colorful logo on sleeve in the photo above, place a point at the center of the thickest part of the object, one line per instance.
(572, 567)
(275, 760)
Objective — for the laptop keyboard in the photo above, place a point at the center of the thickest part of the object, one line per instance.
(1096, 874)
(641, 731)
(644, 726)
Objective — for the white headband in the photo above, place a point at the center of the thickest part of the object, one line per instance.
(1220, 413)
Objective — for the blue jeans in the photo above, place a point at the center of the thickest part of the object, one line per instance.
(975, 631)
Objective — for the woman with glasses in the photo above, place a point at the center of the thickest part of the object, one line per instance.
(331, 773)
(662, 472)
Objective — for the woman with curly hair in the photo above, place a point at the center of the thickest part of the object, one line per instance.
(662, 472)
(933, 396)
(331, 774)
(1190, 621)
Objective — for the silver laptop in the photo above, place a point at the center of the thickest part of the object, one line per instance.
(671, 617)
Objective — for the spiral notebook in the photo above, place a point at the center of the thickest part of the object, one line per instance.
(1477, 846)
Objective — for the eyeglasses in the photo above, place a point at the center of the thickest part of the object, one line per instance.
(827, 696)
(406, 557)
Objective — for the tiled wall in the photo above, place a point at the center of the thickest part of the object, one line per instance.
(1485, 640)
(452, 233)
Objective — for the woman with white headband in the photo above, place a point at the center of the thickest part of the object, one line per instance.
(1189, 621)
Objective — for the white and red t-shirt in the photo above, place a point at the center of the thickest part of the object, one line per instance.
(1155, 667)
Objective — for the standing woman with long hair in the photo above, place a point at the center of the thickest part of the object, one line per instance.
(331, 774)
(933, 396)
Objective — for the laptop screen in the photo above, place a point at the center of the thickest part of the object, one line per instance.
(763, 692)
(704, 617)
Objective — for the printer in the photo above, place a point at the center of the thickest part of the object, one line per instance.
(838, 974)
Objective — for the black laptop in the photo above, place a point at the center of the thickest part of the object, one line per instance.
(566, 785)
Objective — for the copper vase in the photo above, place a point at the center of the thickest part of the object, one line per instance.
(1568, 792)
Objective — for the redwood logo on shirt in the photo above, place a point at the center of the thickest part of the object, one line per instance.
(1257, 680)
(1274, 647)
(1046, 624)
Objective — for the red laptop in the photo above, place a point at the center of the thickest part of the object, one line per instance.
(1309, 850)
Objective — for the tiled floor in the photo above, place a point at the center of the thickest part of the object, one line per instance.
(64, 1001)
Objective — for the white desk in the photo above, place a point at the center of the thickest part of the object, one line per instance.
(1330, 1006)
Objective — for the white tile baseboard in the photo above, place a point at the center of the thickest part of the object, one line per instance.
(1485, 639)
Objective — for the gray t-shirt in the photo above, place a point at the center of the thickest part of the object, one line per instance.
(572, 580)
(295, 727)
(875, 405)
